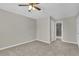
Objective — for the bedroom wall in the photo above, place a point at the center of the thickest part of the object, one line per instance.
(43, 29)
(15, 29)
(77, 32)
(69, 29)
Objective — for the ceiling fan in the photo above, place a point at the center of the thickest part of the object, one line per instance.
(31, 6)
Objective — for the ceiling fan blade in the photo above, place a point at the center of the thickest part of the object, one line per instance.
(33, 3)
(37, 8)
(37, 3)
(22, 5)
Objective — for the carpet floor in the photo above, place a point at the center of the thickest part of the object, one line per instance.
(37, 48)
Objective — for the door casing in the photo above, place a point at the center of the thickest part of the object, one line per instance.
(61, 30)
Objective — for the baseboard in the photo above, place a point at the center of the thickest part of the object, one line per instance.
(32, 41)
(70, 42)
(53, 40)
(16, 44)
(43, 41)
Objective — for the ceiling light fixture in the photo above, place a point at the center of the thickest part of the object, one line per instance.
(31, 6)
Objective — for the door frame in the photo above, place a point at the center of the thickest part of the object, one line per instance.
(51, 30)
(61, 30)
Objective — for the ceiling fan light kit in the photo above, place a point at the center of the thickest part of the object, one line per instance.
(31, 6)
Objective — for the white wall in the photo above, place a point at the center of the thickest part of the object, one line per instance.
(52, 29)
(77, 32)
(15, 29)
(69, 29)
(43, 29)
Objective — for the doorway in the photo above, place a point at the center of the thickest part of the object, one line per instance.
(59, 30)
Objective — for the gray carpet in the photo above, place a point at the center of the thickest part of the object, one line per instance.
(37, 48)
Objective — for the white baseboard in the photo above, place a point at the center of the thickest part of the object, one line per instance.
(24, 43)
(70, 42)
(16, 44)
(32, 41)
(53, 40)
(43, 41)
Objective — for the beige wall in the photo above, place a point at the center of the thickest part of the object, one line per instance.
(77, 23)
(69, 29)
(43, 29)
(15, 29)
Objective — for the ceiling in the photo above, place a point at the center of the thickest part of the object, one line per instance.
(56, 10)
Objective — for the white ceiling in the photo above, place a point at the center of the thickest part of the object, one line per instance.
(56, 10)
